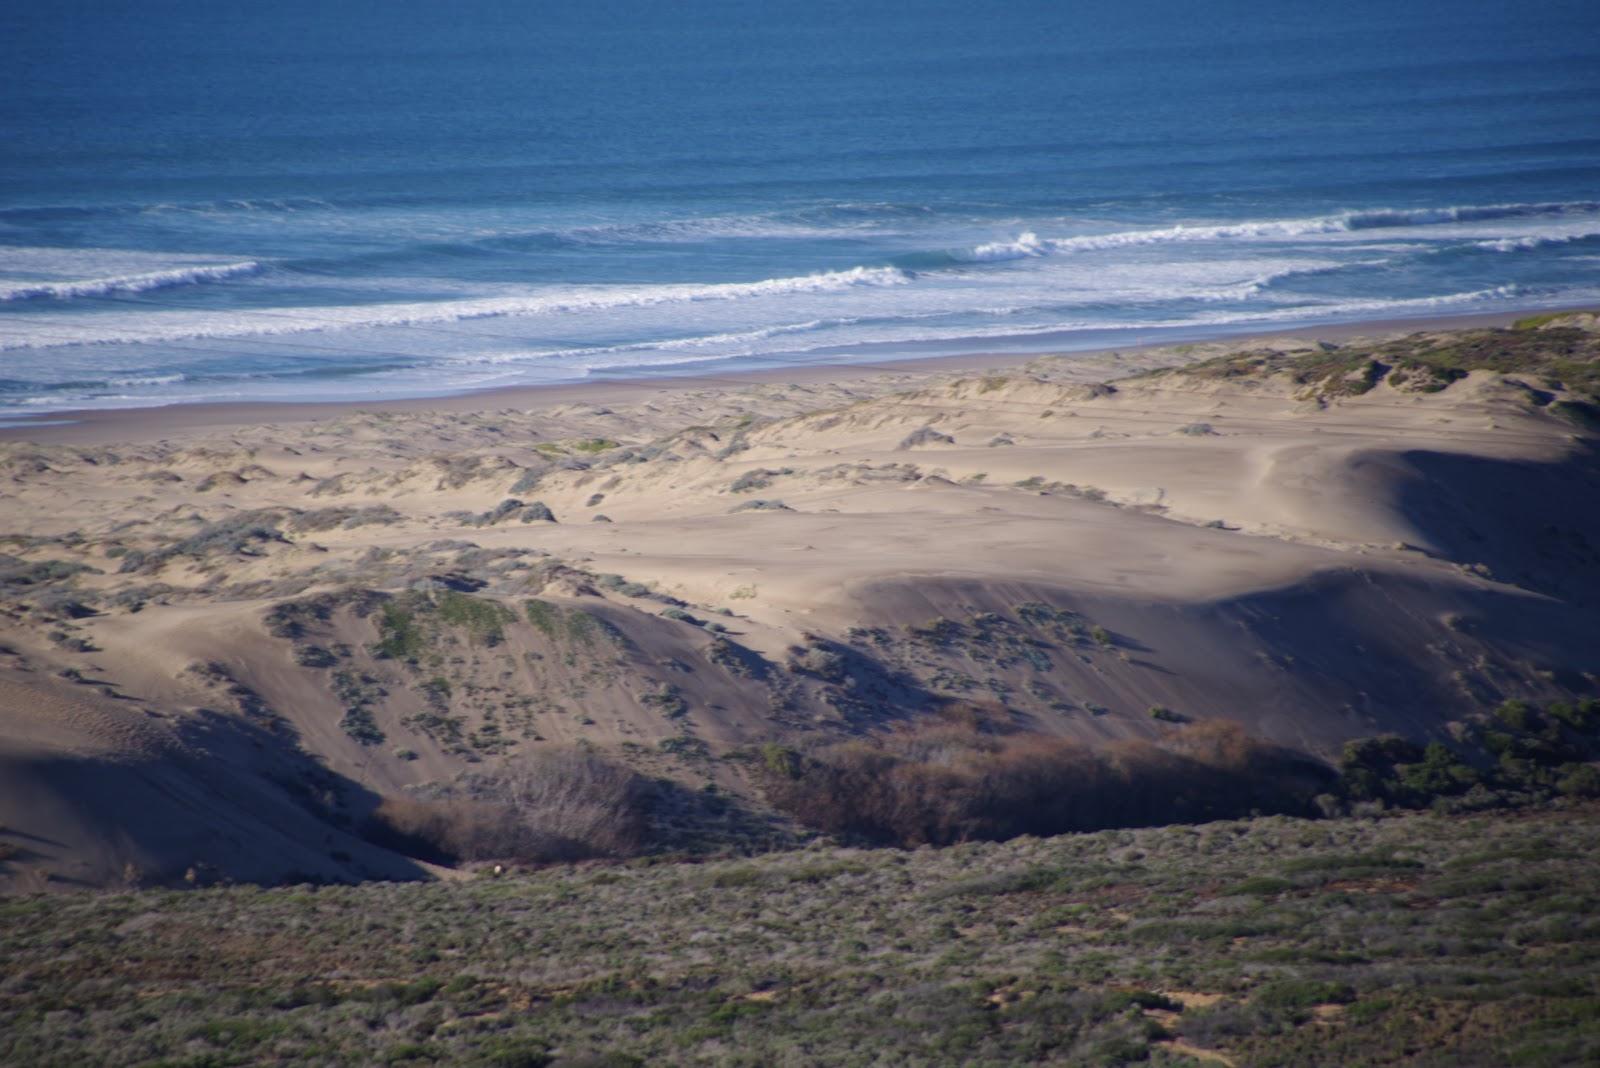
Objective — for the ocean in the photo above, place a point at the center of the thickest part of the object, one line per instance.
(361, 200)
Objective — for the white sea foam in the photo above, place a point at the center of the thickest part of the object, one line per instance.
(216, 207)
(129, 381)
(1025, 246)
(907, 334)
(1244, 278)
(682, 344)
(753, 227)
(914, 330)
(1533, 241)
(1055, 333)
(1029, 244)
(200, 325)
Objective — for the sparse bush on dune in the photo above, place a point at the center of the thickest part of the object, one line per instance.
(559, 806)
(242, 534)
(483, 620)
(527, 480)
(953, 782)
(925, 436)
(760, 505)
(344, 518)
(445, 832)
(578, 796)
(759, 478)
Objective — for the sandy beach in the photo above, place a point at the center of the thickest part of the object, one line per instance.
(105, 425)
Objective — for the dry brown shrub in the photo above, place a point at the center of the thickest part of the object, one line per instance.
(565, 805)
(952, 781)
(579, 796)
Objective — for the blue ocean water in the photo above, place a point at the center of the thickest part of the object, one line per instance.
(355, 199)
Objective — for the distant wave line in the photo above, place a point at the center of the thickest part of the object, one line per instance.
(1029, 244)
(127, 283)
(366, 316)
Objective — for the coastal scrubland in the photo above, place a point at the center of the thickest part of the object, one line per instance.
(1418, 939)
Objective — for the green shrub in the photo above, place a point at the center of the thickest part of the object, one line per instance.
(666, 700)
(483, 620)
(1517, 715)
(1261, 885)
(1582, 717)
(512, 1053)
(544, 616)
(781, 761)
(400, 636)
(1347, 863)
(1581, 780)
(592, 445)
(1383, 751)
(1439, 772)
(359, 724)
(1304, 993)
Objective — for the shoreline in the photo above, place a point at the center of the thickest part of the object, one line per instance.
(99, 426)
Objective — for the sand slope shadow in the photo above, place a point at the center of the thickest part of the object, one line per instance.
(1535, 525)
(226, 801)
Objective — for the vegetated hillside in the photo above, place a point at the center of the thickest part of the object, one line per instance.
(1416, 940)
(1322, 543)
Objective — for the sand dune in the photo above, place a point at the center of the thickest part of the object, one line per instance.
(222, 645)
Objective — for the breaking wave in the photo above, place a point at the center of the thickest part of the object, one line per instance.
(1522, 244)
(1029, 244)
(595, 298)
(127, 283)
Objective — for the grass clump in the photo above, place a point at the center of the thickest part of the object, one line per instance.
(594, 445)
(1304, 993)
(344, 518)
(526, 482)
(242, 534)
(621, 585)
(666, 700)
(408, 624)
(400, 633)
(483, 620)
(359, 693)
(757, 478)
(16, 573)
(1534, 322)
(571, 625)
(1428, 362)
(545, 617)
